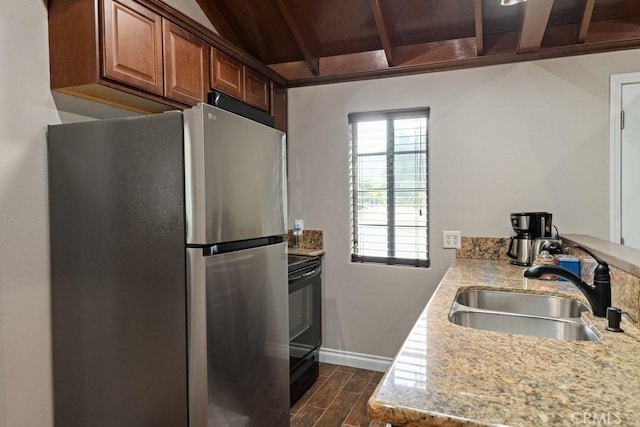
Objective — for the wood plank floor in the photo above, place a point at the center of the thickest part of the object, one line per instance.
(338, 398)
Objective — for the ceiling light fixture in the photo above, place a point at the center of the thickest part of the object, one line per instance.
(510, 2)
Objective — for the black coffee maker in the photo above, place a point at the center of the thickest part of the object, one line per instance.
(528, 227)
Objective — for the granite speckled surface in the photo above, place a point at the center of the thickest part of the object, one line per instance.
(311, 243)
(450, 375)
(483, 248)
(625, 292)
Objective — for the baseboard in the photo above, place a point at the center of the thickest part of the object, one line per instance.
(355, 360)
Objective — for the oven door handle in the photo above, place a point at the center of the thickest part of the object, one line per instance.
(304, 275)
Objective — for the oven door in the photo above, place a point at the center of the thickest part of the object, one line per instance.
(304, 313)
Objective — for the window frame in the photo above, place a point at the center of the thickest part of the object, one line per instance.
(389, 116)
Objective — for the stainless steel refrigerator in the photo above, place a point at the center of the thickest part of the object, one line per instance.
(169, 274)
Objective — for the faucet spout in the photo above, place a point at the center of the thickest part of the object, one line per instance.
(598, 294)
(598, 306)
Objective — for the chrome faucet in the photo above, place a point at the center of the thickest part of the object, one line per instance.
(598, 294)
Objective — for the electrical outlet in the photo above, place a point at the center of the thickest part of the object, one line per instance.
(451, 239)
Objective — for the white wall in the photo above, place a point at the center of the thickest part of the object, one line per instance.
(193, 10)
(508, 138)
(26, 108)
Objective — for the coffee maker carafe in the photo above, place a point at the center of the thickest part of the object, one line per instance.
(528, 227)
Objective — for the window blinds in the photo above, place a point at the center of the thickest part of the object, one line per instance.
(389, 187)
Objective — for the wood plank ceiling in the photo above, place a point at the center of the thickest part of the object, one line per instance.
(321, 41)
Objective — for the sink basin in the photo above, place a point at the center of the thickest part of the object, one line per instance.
(521, 303)
(547, 316)
(526, 325)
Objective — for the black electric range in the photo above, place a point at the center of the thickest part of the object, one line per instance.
(305, 323)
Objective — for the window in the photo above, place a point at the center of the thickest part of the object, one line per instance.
(389, 191)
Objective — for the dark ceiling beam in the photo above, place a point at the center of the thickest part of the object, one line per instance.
(534, 24)
(312, 63)
(586, 20)
(219, 22)
(479, 28)
(291, 71)
(383, 30)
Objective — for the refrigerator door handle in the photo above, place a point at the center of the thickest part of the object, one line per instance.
(197, 345)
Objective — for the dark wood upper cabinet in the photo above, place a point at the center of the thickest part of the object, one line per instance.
(145, 56)
(226, 73)
(230, 76)
(132, 45)
(279, 106)
(186, 64)
(256, 89)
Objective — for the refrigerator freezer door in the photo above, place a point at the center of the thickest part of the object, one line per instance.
(239, 347)
(235, 177)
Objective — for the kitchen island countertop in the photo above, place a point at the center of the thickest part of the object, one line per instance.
(445, 374)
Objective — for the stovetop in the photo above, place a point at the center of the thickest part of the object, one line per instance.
(297, 261)
(294, 259)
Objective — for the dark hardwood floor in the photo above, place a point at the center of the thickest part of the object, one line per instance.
(338, 398)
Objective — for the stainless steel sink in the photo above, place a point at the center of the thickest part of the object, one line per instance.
(521, 303)
(547, 316)
(525, 325)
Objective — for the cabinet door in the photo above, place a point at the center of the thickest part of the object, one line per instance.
(132, 45)
(256, 89)
(279, 107)
(226, 74)
(186, 59)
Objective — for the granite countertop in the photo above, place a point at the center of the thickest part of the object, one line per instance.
(446, 374)
(310, 243)
(306, 251)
